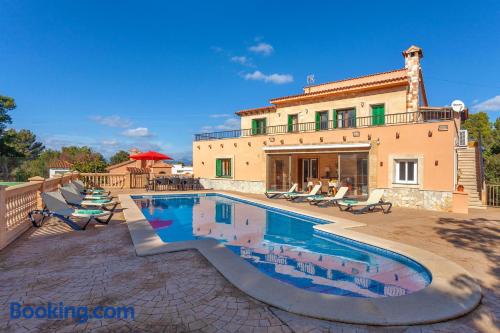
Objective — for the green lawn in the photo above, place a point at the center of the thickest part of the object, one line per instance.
(10, 183)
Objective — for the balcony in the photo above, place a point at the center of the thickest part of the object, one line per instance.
(421, 116)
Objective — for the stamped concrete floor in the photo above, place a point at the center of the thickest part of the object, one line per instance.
(182, 292)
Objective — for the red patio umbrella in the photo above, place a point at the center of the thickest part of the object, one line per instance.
(150, 156)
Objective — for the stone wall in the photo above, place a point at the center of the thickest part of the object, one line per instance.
(234, 185)
(420, 199)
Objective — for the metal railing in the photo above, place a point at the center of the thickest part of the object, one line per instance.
(349, 122)
(493, 195)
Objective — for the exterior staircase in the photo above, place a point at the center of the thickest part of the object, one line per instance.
(469, 175)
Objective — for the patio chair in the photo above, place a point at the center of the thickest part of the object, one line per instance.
(322, 200)
(374, 201)
(74, 198)
(56, 206)
(281, 194)
(296, 196)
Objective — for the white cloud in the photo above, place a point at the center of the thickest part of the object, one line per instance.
(137, 132)
(492, 104)
(112, 121)
(220, 115)
(111, 142)
(229, 124)
(242, 60)
(273, 78)
(262, 48)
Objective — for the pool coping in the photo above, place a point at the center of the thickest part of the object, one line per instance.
(452, 292)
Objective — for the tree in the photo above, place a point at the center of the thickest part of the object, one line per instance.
(84, 159)
(38, 166)
(20, 146)
(6, 104)
(490, 135)
(119, 157)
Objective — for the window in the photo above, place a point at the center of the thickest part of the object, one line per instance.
(378, 114)
(259, 126)
(293, 122)
(223, 213)
(223, 167)
(406, 171)
(346, 118)
(321, 120)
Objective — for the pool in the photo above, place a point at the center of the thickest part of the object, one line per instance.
(284, 245)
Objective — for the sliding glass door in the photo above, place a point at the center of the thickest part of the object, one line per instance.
(353, 170)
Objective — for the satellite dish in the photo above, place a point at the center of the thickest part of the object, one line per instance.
(457, 105)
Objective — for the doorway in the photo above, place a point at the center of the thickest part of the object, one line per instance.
(309, 171)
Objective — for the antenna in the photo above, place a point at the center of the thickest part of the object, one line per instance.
(310, 79)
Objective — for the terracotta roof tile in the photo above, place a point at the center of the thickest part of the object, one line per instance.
(60, 164)
(265, 109)
(367, 81)
(117, 165)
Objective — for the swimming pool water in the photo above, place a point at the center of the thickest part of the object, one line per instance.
(284, 245)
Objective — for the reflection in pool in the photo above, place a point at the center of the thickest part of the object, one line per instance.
(284, 245)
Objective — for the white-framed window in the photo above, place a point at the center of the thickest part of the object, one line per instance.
(406, 171)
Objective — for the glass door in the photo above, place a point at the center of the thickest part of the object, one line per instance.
(309, 171)
(353, 171)
(279, 173)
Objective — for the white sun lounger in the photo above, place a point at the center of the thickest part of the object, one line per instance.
(326, 200)
(280, 194)
(295, 196)
(374, 201)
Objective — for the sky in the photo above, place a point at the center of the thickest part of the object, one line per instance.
(150, 74)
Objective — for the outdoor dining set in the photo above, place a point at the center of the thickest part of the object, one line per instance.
(173, 183)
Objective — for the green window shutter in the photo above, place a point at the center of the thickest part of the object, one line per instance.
(290, 123)
(264, 126)
(318, 117)
(354, 119)
(254, 126)
(230, 173)
(335, 118)
(218, 168)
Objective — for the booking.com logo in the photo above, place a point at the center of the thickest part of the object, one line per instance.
(59, 311)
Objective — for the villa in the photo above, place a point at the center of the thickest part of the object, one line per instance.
(374, 131)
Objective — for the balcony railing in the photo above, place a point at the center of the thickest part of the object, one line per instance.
(353, 122)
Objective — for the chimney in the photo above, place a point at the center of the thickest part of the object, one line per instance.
(133, 151)
(412, 64)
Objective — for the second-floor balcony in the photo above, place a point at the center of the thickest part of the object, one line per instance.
(421, 116)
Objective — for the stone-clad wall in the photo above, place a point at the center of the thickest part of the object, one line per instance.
(416, 198)
(234, 185)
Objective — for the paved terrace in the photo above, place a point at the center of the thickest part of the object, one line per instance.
(181, 292)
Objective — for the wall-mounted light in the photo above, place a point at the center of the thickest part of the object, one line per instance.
(271, 139)
(247, 162)
(429, 134)
(356, 134)
(210, 146)
(264, 142)
(397, 135)
(301, 140)
(320, 139)
(378, 141)
(198, 147)
(235, 144)
(222, 145)
(202, 163)
(362, 104)
(249, 143)
(436, 162)
(369, 136)
(381, 164)
(344, 138)
(282, 141)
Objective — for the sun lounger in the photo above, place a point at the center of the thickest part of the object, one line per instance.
(296, 196)
(80, 187)
(280, 194)
(321, 200)
(374, 201)
(57, 207)
(74, 198)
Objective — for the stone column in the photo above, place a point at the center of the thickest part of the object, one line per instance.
(412, 64)
(38, 180)
(3, 217)
(373, 166)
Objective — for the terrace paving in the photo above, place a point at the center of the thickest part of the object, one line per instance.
(182, 291)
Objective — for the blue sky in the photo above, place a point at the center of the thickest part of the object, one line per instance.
(149, 74)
